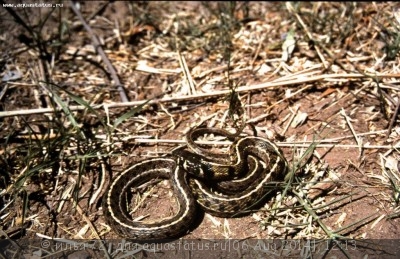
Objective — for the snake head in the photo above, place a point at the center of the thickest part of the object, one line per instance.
(194, 164)
(190, 162)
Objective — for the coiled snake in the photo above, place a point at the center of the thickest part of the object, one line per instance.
(222, 184)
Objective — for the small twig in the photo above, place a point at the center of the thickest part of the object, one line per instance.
(101, 52)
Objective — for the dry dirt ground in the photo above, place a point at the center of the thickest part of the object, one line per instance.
(319, 79)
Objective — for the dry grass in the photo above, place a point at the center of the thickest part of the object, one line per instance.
(331, 103)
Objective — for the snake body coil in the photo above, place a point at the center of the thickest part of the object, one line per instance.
(118, 217)
(224, 186)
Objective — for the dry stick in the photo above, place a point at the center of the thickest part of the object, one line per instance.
(258, 87)
(99, 50)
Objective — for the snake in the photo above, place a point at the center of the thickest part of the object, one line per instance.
(223, 185)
